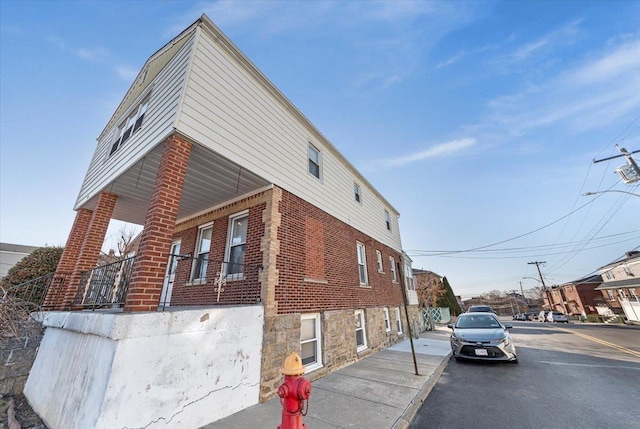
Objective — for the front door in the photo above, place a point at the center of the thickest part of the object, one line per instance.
(165, 298)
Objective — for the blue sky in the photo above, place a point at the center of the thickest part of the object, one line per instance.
(478, 121)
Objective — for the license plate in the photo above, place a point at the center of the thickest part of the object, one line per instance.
(481, 352)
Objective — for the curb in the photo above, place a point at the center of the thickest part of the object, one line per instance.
(407, 417)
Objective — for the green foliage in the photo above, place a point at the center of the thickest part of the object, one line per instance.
(449, 299)
(40, 262)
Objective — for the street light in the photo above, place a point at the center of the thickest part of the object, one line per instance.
(610, 190)
(533, 278)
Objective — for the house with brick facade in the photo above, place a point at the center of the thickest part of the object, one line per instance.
(621, 288)
(576, 298)
(259, 238)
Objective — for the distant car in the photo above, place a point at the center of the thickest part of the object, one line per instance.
(480, 308)
(557, 317)
(481, 336)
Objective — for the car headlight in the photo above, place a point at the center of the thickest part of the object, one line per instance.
(504, 340)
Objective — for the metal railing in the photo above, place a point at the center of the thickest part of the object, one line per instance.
(33, 291)
(105, 286)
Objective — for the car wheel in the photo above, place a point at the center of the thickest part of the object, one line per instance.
(457, 358)
(515, 361)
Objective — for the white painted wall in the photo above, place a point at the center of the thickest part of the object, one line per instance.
(231, 108)
(178, 369)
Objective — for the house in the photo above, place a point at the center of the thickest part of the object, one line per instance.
(575, 298)
(621, 287)
(259, 238)
(428, 287)
(11, 254)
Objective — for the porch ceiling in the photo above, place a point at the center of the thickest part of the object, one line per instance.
(211, 180)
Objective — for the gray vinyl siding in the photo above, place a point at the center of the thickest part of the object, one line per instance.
(228, 109)
(167, 88)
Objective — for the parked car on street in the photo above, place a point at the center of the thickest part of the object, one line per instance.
(481, 336)
(480, 308)
(558, 317)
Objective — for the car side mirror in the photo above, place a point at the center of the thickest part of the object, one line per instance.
(450, 325)
(508, 326)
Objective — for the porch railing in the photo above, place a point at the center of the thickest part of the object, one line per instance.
(105, 286)
(33, 291)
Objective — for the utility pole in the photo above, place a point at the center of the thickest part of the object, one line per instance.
(629, 173)
(544, 286)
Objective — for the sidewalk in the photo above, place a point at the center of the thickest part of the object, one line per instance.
(379, 391)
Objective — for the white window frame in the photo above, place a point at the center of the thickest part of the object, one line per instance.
(128, 127)
(394, 274)
(359, 316)
(318, 340)
(387, 219)
(314, 149)
(230, 244)
(357, 193)
(379, 258)
(611, 295)
(408, 277)
(387, 320)
(398, 321)
(197, 251)
(362, 264)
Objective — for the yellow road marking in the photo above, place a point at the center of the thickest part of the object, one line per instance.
(603, 342)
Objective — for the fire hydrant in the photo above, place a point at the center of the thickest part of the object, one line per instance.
(293, 393)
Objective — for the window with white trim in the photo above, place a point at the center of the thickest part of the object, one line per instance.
(311, 341)
(387, 320)
(633, 294)
(379, 257)
(387, 219)
(398, 321)
(392, 264)
(362, 264)
(609, 274)
(236, 245)
(129, 126)
(611, 295)
(314, 161)
(356, 192)
(361, 332)
(408, 277)
(201, 252)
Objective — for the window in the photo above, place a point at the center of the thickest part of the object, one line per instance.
(622, 294)
(379, 256)
(633, 294)
(627, 270)
(610, 294)
(129, 126)
(609, 275)
(387, 321)
(392, 264)
(398, 321)
(361, 334)
(408, 277)
(387, 219)
(356, 192)
(314, 161)
(362, 264)
(236, 245)
(310, 340)
(201, 257)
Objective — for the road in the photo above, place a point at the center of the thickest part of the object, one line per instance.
(569, 376)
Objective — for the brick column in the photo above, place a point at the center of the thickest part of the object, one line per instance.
(70, 254)
(155, 243)
(91, 244)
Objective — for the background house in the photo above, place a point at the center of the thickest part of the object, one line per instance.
(621, 288)
(11, 254)
(259, 238)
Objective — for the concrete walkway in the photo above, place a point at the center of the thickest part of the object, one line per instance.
(379, 391)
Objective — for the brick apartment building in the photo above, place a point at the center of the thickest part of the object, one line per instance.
(259, 238)
(577, 298)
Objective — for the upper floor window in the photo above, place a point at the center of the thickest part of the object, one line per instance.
(129, 126)
(609, 275)
(201, 257)
(356, 192)
(379, 258)
(392, 264)
(387, 219)
(236, 246)
(314, 161)
(362, 264)
(408, 276)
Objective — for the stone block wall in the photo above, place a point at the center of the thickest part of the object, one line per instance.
(16, 358)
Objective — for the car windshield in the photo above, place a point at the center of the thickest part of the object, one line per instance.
(477, 321)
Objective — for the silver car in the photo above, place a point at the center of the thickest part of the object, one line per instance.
(481, 336)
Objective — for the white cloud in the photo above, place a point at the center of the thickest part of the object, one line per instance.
(92, 54)
(625, 59)
(440, 150)
(127, 73)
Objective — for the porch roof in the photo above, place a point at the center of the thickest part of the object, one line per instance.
(616, 284)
